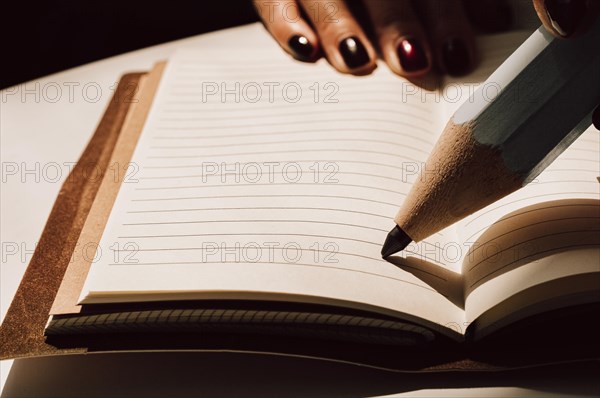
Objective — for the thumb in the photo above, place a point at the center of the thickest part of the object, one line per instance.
(567, 18)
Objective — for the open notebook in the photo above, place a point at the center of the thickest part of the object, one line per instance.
(258, 178)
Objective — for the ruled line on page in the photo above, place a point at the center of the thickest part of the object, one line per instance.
(200, 248)
(534, 255)
(396, 123)
(329, 209)
(204, 136)
(554, 220)
(237, 144)
(308, 250)
(286, 221)
(394, 97)
(396, 179)
(217, 155)
(528, 198)
(310, 161)
(247, 234)
(220, 106)
(323, 93)
(378, 244)
(236, 185)
(263, 196)
(329, 267)
(347, 94)
(265, 116)
(521, 213)
(304, 83)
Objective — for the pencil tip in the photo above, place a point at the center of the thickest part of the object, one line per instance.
(396, 240)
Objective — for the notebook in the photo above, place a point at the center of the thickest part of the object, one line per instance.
(260, 191)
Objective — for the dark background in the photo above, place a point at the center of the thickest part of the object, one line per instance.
(40, 38)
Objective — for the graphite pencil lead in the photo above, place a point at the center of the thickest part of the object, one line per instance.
(396, 241)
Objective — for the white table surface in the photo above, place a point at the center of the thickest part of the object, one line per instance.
(44, 126)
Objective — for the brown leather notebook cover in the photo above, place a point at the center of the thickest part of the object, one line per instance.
(57, 271)
(22, 331)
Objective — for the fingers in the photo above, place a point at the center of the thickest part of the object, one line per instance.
(283, 20)
(403, 43)
(335, 31)
(342, 39)
(567, 18)
(450, 34)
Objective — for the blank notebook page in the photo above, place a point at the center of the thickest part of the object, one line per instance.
(257, 176)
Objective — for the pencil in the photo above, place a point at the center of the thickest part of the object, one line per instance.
(493, 145)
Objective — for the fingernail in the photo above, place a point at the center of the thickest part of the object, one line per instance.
(411, 54)
(456, 57)
(566, 15)
(301, 46)
(353, 52)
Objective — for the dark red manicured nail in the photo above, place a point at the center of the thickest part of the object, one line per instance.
(596, 118)
(566, 15)
(411, 54)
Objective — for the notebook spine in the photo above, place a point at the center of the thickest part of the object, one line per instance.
(285, 323)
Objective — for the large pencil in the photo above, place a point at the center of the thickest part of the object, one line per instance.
(495, 144)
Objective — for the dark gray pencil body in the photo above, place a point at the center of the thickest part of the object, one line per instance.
(495, 144)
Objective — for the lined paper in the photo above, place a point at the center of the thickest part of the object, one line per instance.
(544, 226)
(574, 174)
(254, 194)
(287, 197)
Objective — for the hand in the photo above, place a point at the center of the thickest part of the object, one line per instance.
(414, 37)
(568, 19)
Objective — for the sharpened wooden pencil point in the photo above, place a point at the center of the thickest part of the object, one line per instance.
(396, 241)
(492, 147)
